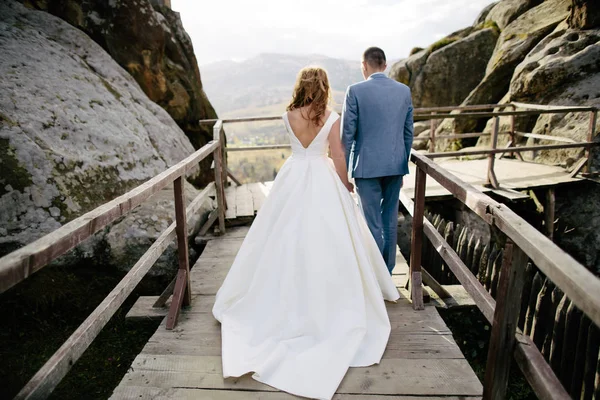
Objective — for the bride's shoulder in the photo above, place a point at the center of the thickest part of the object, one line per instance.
(332, 114)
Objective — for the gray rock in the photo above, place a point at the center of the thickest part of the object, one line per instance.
(457, 67)
(407, 70)
(506, 11)
(563, 69)
(515, 42)
(483, 14)
(76, 130)
(451, 72)
(577, 230)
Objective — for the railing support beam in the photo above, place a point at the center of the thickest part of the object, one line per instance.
(416, 288)
(504, 327)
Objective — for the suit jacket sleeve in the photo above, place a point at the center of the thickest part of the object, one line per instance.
(349, 122)
(408, 129)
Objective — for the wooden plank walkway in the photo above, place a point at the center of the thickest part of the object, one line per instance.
(511, 174)
(244, 201)
(422, 359)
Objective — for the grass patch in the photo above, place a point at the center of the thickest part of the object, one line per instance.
(13, 173)
(5, 119)
(489, 24)
(110, 88)
(442, 43)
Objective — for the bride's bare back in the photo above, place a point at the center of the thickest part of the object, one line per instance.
(303, 126)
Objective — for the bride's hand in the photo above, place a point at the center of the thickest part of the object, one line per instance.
(349, 186)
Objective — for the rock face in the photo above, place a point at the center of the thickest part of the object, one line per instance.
(76, 130)
(151, 44)
(457, 67)
(577, 230)
(514, 43)
(505, 12)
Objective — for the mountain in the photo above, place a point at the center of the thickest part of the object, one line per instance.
(263, 85)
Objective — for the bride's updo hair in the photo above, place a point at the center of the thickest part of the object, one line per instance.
(311, 89)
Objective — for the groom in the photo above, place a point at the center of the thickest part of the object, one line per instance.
(378, 128)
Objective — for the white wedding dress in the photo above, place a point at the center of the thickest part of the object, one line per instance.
(304, 298)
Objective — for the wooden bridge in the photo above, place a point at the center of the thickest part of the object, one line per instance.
(182, 359)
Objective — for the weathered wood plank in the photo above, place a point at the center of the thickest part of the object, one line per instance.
(537, 371)
(574, 279)
(244, 202)
(392, 376)
(416, 293)
(400, 346)
(154, 393)
(593, 346)
(259, 194)
(506, 317)
(230, 194)
(572, 322)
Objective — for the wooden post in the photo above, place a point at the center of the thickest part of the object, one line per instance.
(223, 142)
(491, 175)
(218, 178)
(549, 214)
(181, 292)
(432, 128)
(513, 130)
(416, 292)
(590, 138)
(504, 327)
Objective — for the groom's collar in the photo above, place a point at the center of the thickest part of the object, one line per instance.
(377, 75)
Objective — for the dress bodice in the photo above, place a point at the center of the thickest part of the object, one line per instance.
(318, 146)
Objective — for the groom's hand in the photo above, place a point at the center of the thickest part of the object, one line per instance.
(350, 187)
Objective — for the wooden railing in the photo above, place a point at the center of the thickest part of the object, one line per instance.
(523, 243)
(434, 114)
(22, 263)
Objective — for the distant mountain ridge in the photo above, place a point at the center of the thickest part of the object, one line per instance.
(263, 84)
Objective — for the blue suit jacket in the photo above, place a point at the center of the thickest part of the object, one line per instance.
(378, 127)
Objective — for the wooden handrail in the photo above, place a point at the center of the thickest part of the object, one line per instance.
(50, 375)
(426, 113)
(579, 284)
(538, 373)
(467, 153)
(20, 264)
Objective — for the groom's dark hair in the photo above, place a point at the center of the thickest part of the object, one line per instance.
(375, 57)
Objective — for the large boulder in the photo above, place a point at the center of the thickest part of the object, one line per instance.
(484, 13)
(454, 70)
(563, 69)
(446, 72)
(152, 45)
(513, 45)
(76, 130)
(506, 11)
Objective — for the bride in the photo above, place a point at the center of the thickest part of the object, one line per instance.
(304, 298)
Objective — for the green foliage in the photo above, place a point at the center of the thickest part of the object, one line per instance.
(13, 173)
(489, 24)
(442, 43)
(110, 88)
(415, 50)
(7, 120)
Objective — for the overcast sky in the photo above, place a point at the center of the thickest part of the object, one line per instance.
(241, 29)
